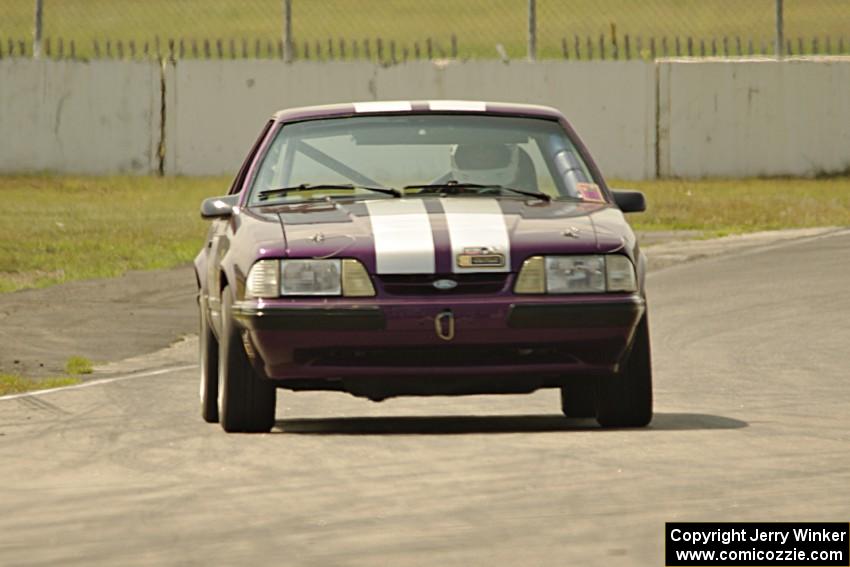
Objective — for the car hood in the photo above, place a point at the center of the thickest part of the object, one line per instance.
(445, 235)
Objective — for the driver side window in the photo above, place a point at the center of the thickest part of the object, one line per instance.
(239, 180)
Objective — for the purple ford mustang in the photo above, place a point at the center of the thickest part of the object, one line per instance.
(422, 248)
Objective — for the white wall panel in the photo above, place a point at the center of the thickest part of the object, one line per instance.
(216, 109)
(749, 118)
(712, 118)
(96, 117)
(221, 105)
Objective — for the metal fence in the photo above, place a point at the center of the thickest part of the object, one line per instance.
(396, 30)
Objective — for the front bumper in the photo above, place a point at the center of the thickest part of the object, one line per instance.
(528, 338)
(309, 318)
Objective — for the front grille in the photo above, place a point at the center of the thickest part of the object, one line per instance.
(466, 355)
(420, 284)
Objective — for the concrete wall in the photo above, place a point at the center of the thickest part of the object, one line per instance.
(218, 107)
(96, 117)
(747, 118)
(611, 104)
(711, 118)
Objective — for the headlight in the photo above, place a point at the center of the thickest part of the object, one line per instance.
(274, 278)
(310, 277)
(576, 274)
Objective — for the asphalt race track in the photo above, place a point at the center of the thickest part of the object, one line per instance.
(752, 387)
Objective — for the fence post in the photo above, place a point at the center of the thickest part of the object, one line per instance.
(37, 29)
(532, 30)
(777, 49)
(287, 31)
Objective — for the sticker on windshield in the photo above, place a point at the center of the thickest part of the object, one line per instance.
(590, 192)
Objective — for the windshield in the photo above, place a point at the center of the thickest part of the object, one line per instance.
(438, 153)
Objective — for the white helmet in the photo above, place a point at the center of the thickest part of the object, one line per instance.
(485, 164)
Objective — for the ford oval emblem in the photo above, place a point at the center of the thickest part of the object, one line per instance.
(445, 284)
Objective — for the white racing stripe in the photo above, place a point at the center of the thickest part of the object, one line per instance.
(383, 106)
(457, 105)
(404, 243)
(475, 223)
(100, 382)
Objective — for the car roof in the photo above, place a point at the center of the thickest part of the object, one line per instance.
(416, 107)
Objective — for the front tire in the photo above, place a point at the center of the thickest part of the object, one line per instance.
(208, 347)
(246, 401)
(625, 400)
(578, 399)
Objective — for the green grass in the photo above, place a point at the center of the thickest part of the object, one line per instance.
(478, 24)
(58, 229)
(728, 206)
(13, 384)
(78, 365)
(74, 367)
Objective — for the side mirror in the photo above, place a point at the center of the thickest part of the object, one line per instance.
(629, 201)
(219, 207)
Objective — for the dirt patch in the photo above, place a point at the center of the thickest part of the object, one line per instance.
(656, 237)
(103, 320)
(663, 251)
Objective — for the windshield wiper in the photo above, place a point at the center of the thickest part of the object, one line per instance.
(448, 186)
(266, 194)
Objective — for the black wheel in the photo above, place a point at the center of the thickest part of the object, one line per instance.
(246, 402)
(208, 349)
(625, 400)
(578, 399)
